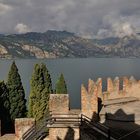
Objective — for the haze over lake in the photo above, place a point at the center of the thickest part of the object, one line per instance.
(76, 71)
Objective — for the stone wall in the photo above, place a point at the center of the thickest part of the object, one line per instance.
(89, 98)
(64, 133)
(59, 107)
(59, 103)
(90, 104)
(131, 88)
(22, 125)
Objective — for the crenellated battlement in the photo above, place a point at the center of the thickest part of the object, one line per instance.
(96, 104)
(89, 97)
(131, 88)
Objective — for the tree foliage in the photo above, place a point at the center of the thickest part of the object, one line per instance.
(4, 108)
(41, 87)
(4, 101)
(61, 87)
(16, 94)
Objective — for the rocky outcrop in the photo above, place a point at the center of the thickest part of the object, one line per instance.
(3, 50)
(37, 52)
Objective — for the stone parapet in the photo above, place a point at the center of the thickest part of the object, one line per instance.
(131, 88)
(22, 125)
(89, 99)
(59, 103)
(64, 133)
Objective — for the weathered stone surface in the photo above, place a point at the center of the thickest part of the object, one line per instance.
(22, 125)
(125, 83)
(110, 86)
(128, 111)
(64, 133)
(8, 137)
(99, 88)
(59, 107)
(131, 88)
(116, 84)
(89, 99)
(59, 103)
(132, 80)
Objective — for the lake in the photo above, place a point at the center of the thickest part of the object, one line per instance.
(76, 71)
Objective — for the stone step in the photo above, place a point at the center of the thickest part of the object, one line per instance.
(8, 137)
(120, 100)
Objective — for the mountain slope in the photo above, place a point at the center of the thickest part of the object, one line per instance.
(59, 44)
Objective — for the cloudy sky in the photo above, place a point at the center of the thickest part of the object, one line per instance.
(84, 17)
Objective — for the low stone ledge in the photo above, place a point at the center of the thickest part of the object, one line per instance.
(120, 100)
(59, 103)
(22, 125)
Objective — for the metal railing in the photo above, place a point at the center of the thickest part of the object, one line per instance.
(129, 134)
(98, 127)
(39, 129)
(66, 119)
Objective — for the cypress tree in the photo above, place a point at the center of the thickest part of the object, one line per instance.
(16, 94)
(4, 102)
(61, 87)
(4, 108)
(41, 87)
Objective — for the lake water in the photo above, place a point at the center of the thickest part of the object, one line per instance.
(76, 72)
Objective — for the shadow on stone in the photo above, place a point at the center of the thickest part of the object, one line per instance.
(100, 104)
(119, 125)
(122, 125)
(69, 135)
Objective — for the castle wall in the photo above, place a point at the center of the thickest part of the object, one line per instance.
(131, 88)
(121, 104)
(59, 103)
(22, 125)
(64, 134)
(89, 99)
(59, 107)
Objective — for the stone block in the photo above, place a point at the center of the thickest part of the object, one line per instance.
(59, 103)
(89, 99)
(99, 88)
(64, 133)
(116, 84)
(22, 125)
(110, 87)
(125, 83)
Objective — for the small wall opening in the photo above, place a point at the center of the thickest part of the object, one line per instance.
(121, 83)
(104, 85)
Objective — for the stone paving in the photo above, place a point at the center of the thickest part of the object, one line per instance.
(8, 137)
(125, 112)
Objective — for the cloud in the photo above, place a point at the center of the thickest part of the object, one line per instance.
(116, 26)
(4, 8)
(22, 28)
(84, 17)
(123, 29)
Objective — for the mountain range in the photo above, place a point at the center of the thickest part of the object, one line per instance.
(63, 44)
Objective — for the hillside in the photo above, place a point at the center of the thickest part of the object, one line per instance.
(60, 44)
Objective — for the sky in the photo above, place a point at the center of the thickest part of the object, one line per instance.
(87, 18)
